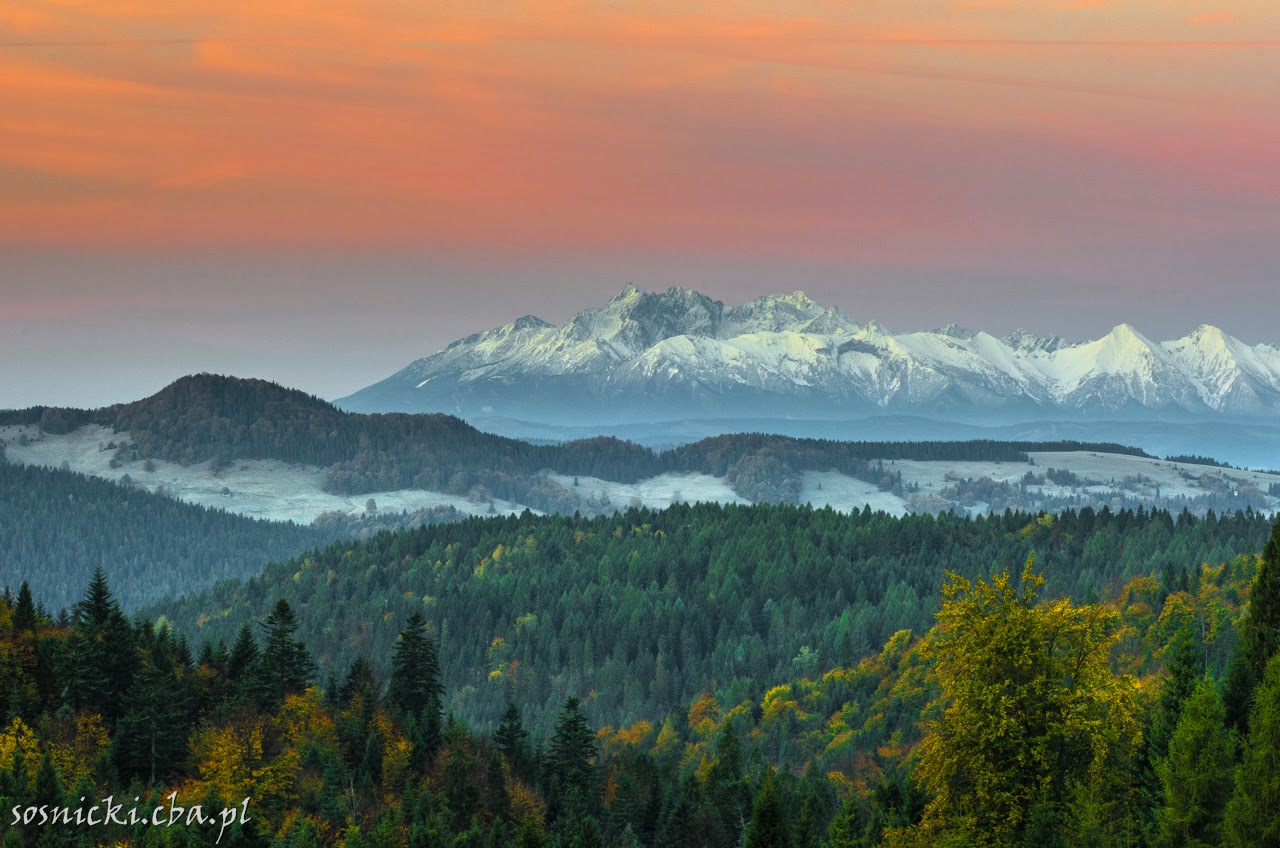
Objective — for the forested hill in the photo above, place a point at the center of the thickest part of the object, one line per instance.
(642, 609)
(56, 526)
(1015, 721)
(208, 417)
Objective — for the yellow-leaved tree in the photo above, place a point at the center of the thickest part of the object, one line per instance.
(1034, 726)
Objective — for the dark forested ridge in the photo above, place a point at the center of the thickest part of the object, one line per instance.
(56, 526)
(1146, 718)
(208, 417)
(646, 608)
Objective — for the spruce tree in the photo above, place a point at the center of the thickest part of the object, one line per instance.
(1196, 776)
(806, 835)
(24, 614)
(285, 666)
(360, 680)
(152, 734)
(100, 653)
(415, 670)
(573, 750)
(497, 799)
(512, 739)
(1259, 635)
(1253, 815)
(768, 827)
(849, 827)
(92, 613)
(416, 688)
(727, 790)
(1184, 668)
(48, 788)
(244, 653)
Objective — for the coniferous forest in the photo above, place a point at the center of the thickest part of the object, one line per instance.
(56, 526)
(1084, 679)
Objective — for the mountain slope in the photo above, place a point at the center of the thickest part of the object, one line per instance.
(645, 356)
(56, 527)
(643, 608)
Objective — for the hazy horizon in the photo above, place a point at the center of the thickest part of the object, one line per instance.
(361, 318)
(320, 198)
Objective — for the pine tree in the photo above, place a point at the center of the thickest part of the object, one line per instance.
(285, 666)
(1252, 818)
(768, 827)
(1196, 777)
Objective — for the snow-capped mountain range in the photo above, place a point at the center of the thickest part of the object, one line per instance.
(649, 356)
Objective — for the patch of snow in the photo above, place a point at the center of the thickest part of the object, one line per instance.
(268, 489)
(846, 494)
(656, 492)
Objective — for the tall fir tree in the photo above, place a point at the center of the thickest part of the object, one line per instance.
(100, 653)
(1253, 815)
(285, 666)
(768, 827)
(513, 740)
(94, 610)
(416, 688)
(1259, 636)
(727, 789)
(849, 827)
(1196, 776)
(571, 757)
(24, 614)
(243, 658)
(1184, 669)
(152, 735)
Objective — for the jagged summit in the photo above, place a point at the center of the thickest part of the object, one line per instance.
(1026, 342)
(651, 355)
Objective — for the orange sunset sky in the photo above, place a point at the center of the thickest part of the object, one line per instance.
(215, 163)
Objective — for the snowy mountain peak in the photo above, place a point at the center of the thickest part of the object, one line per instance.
(771, 314)
(955, 331)
(1022, 341)
(527, 322)
(832, 322)
(678, 352)
(1125, 334)
(874, 328)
